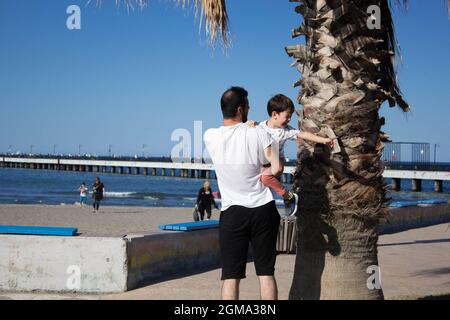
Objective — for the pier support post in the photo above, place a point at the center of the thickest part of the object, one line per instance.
(416, 185)
(207, 174)
(145, 172)
(195, 174)
(112, 169)
(438, 185)
(163, 172)
(396, 184)
(172, 172)
(104, 169)
(153, 171)
(119, 170)
(127, 170)
(136, 170)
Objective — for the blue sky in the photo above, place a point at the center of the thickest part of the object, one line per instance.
(129, 79)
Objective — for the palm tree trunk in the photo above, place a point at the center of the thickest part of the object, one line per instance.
(347, 73)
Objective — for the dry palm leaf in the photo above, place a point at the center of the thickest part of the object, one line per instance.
(213, 11)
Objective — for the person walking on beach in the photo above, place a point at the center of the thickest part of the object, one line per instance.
(98, 191)
(205, 199)
(83, 193)
(249, 214)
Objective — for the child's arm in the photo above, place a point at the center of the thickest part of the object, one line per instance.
(315, 138)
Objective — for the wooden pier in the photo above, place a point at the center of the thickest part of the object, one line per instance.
(191, 170)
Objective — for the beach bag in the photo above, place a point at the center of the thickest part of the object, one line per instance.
(196, 214)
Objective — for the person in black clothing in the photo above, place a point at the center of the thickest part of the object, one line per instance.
(98, 190)
(205, 199)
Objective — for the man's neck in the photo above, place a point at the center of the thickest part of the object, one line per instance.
(231, 122)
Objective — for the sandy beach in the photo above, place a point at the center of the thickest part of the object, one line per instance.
(109, 222)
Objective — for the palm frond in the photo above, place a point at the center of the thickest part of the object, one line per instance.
(213, 11)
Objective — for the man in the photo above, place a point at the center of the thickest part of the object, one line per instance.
(249, 214)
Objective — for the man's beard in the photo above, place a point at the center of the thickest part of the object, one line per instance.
(245, 117)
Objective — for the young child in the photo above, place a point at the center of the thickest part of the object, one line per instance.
(280, 109)
(83, 192)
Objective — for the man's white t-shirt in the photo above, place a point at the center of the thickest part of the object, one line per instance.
(280, 135)
(237, 153)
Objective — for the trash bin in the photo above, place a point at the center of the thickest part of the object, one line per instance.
(287, 235)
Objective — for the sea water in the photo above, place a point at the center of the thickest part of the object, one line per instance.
(27, 186)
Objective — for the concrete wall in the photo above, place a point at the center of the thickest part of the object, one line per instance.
(160, 256)
(102, 265)
(44, 263)
(401, 219)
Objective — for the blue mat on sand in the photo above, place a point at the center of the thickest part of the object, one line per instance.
(402, 204)
(432, 201)
(43, 231)
(190, 226)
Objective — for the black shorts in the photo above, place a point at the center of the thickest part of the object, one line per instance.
(241, 226)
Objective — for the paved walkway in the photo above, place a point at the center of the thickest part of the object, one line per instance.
(415, 263)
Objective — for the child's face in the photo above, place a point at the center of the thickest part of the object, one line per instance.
(282, 119)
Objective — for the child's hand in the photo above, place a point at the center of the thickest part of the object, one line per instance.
(330, 142)
(251, 123)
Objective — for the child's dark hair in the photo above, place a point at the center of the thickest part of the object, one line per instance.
(280, 103)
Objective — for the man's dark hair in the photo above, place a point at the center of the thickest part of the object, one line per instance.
(279, 103)
(231, 100)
